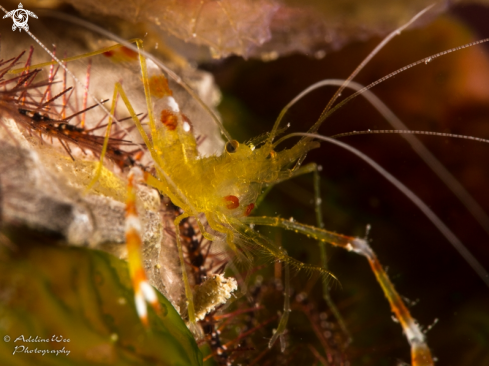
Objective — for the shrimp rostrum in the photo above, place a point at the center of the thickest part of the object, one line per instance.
(221, 191)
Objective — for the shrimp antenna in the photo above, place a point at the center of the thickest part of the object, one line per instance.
(409, 132)
(367, 59)
(171, 73)
(372, 54)
(436, 166)
(440, 225)
(425, 61)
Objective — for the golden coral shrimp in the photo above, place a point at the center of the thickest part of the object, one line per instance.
(229, 186)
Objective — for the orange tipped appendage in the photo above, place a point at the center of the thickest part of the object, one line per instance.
(420, 353)
(232, 202)
(143, 291)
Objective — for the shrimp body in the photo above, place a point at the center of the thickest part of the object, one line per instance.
(218, 186)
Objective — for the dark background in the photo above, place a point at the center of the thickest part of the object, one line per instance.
(440, 96)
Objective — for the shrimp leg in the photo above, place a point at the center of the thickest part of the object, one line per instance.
(420, 353)
(144, 292)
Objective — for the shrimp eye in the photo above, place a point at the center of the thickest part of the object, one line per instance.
(249, 208)
(232, 146)
(232, 202)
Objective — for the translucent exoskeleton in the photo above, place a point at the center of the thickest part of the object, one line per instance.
(226, 189)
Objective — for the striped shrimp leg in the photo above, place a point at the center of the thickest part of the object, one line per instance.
(143, 291)
(420, 352)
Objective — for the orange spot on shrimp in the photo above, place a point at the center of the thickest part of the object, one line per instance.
(158, 86)
(232, 202)
(138, 156)
(129, 53)
(139, 277)
(109, 53)
(130, 180)
(169, 119)
(133, 242)
(131, 209)
(249, 208)
(121, 54)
